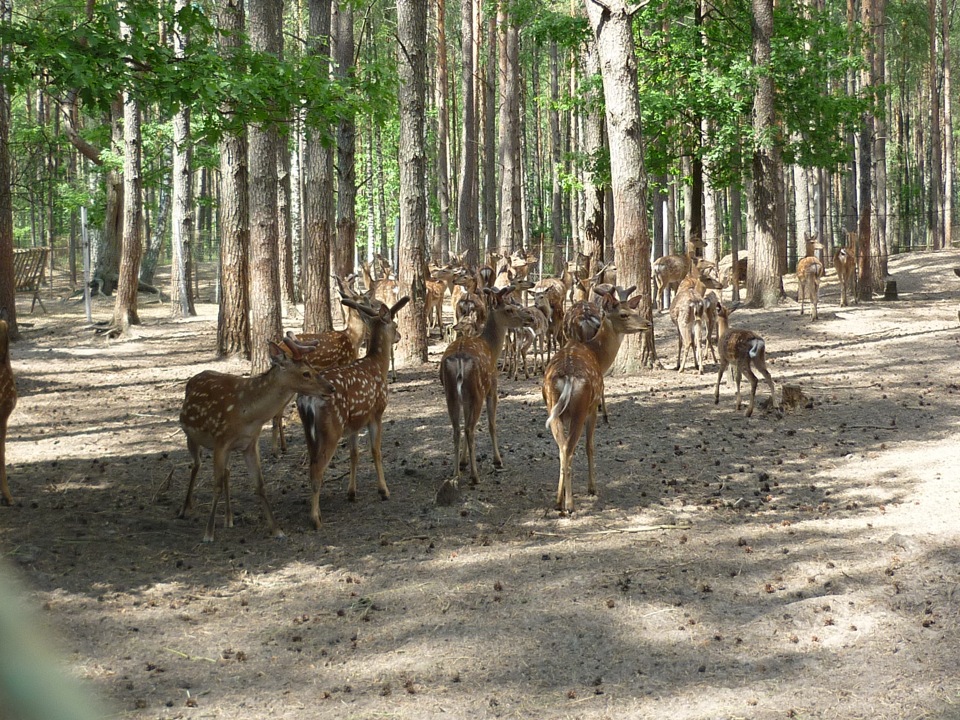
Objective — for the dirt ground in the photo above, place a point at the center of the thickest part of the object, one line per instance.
(803, 565)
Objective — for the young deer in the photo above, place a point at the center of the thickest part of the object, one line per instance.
(225, 412)
(573, 388)
(845, 263)
(687, 313)
(743, 348)
(809, 272)
(8, 401)
(358, 401)
(468, 373)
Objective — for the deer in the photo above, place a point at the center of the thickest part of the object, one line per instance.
(573, 390)
(845, 263)
(468, 374)
(532, 336)
(8, 401)
(687, 313)
(739, 350)
(670, 270)
(358, 401)
(224, 412)
(809, 272)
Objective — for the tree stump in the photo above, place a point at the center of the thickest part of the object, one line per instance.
(794, 397)
(890, 290)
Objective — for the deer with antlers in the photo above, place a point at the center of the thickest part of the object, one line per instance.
(742, 351)
(358, 401)
(468, 373)
(225, 413)
(573, 389)
(8, 401)
(809, 271)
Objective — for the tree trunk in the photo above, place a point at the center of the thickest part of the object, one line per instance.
(468, 197)
(490, 131)
(441, 253)
(613, 29)
(233, 324)
(763, 270)
(263, 147)
(556, 160)
(593, 147)
(865, 280)
(181, 296)
(8, 293)
(411, 60)
(935, 200)
(511, 229)
(125, 306)
(285, 222)
(318, 207)
(346, 150)
(155, 236)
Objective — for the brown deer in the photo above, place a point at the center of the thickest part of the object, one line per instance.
(809, 271)
(742, 348)
(686, 311)
(468, 373)
(670, 270)
(845, 263)
(573, 390)
(358, 401)
(8, 401)
(225, 412)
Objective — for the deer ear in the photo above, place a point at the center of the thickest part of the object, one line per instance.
(277, 354)
(634, 302)
(398, 305)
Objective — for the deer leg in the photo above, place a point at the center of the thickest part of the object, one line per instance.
(753, 389)
(375, 434)
(279, 436)
(319, 459)
(220, 479)
(761, 365)
(556, 427)
(591, 426)
(738, 376)
(5, 497)
(194, 469)
(492, 424)
(716, 391)
(252, 457)
(353, 442)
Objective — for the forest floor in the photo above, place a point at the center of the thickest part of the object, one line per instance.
(799, 565)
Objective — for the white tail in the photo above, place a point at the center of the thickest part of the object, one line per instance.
(573, 388)
(8, 401)
(225, 412)
(358, 401)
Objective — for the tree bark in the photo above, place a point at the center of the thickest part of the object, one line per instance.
(467, 201)
(8, 295)
(411, 60)
(233, 324)
(441, 253)
(613, 30)
(318, 207)
(181, 295)
(125, 306)
(263, 147)
(593, 147)
(346, 150)
(763, 270)
(511, 229)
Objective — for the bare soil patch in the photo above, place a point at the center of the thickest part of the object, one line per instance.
(803, 565)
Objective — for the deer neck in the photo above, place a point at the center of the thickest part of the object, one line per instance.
(378, 348)
(605, 344)
(266, 394)
(494, 333)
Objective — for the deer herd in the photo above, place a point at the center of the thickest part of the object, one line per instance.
(569, 328)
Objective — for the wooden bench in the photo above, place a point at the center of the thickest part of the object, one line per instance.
(28, 267)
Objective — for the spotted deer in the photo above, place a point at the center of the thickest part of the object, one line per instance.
(739, 350)
(809, 271)
(8, 401)
(573, 390)
(468, 373)
(224, 413)
(358, 401)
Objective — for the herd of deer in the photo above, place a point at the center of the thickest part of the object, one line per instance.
(573, 328)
